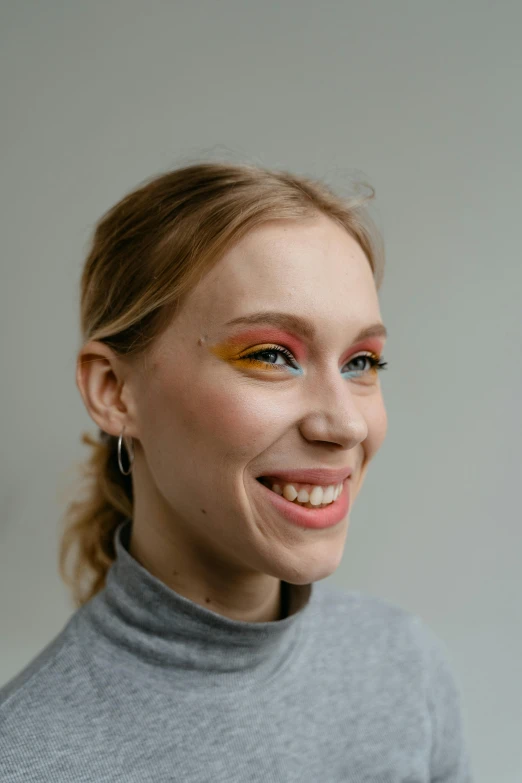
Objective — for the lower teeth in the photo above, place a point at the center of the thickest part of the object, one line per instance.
(309, 505)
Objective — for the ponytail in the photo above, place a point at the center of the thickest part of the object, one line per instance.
(91, 523)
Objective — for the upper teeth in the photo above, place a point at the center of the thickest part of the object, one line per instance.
(307, 493)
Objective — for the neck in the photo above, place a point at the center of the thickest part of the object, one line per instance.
(223, 595)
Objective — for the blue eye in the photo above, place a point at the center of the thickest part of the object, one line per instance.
(375, 364)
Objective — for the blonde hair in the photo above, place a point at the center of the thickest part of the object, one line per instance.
(148, 252)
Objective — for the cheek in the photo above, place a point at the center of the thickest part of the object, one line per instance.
(227, 420)
(377, 421)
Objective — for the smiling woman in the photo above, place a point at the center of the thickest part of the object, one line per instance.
(232, 341)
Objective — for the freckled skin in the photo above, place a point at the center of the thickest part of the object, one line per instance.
(205, 424)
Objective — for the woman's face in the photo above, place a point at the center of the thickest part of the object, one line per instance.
(207, 424)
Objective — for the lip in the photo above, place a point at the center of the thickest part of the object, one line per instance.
(317, 519)
(323, 477)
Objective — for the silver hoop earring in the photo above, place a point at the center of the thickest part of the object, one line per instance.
(129, 452)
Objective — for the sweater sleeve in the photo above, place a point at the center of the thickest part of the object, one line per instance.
(450, 761)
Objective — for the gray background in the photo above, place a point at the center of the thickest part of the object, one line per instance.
(423, 99)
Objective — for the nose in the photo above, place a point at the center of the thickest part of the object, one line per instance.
(333, 413)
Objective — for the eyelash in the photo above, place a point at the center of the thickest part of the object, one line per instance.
(372, 358)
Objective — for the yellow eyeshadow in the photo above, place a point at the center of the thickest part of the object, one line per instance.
(226, 352)
(232, 353)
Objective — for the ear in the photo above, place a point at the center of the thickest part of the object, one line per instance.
(101, 381)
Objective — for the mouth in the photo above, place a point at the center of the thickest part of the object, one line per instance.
(304, 495)
(283, 500)
(320, 476)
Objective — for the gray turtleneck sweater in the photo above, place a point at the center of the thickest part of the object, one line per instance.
(145, 686)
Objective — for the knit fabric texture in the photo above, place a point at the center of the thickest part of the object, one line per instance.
(143, 685)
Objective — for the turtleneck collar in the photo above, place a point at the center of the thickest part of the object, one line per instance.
(149, 621)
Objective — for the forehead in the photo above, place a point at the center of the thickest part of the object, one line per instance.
(313, 268)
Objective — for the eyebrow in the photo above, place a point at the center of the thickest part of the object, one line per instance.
(295, 323)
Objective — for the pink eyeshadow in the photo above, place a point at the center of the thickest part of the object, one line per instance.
(370, 344)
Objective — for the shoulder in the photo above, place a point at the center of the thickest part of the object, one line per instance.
(384, 648)
(39, 704)
(369, 613)
(377, 624)
(40, 669)
(391, 648)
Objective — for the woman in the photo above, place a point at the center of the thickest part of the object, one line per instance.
(231, 345)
